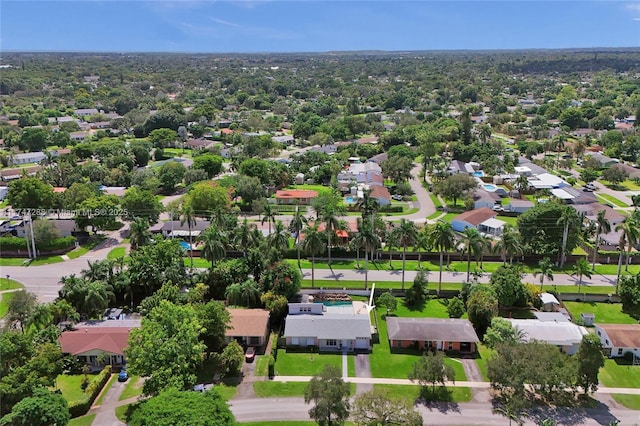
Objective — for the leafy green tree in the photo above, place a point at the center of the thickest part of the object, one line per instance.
(77, 193)
(168, 332)
(30, 193)
(173, 406)
(455, 308)
(44, 408)
(545, 270)
(482, 306)
(281, 278)
(387, 301)
(330, 396)
(161, 138)
(629, 291)
(397, 168)
(232, 358)
(431, 370)
(542, 229)
(572, 118)
(589, 175)
(139, 203)
(171, 174)
(99, 212)
(209, 197)
(417, 294)
(375, 408)
(141, 151)
(139, 234)
(502, 331)
(215, 320)
(506, 283)
(614, 175)
(455, 187)
(20, 308)
(257, 168)
(164, 119)
(210, 163)
(590, 360)
(34, 139)
(313, 244)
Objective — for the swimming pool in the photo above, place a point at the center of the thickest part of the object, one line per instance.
(349, 200)
(185, 245)
(489, 187)
(479, 173)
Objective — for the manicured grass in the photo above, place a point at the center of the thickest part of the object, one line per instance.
(305, 363)
(84, 248)
(105, 389)
(484, 354)
(612, 200)
(287, 423)
(627, 185)
(262, 366)
(631, 402)
(513, 221)
(384, 364)
(198, 262)
(226, 392)
(131, 389)
(12, 261)
(85, 420)
(435, 200)
(607, 313)
(121, 412)
(9, 284)
(69, 385)
(320, 188)
(579, 251)
(411, 393)
(116, 253)
(613, 269)
(351, 366)
(273, 389)
(402, 213)
(448, 217)
(5, 300)
(619, 373)
(46, 260)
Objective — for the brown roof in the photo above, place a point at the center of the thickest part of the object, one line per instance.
(380, 192)
(296, 193)
(477, 216)
(430, 329)
(622, 335)
(247, 322)
(85, 339)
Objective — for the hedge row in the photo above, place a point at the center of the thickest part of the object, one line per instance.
(80, 408)
(15, 244)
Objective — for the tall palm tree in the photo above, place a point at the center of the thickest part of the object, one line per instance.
(485, 133)
(631, 228)
(421, 244)
(313, 245)
(368, 240)
(215, 244)
(98, 270)
(280, 238)
(522, 183)
(391, 241)
(621, 245)
(188, 216)
(581, 268)
(297, 224)
(139, 234)
(485, 247)
(331, 223)
(567, 219)
(97, 297)
(509, 244)
(441, 237)
(247, 294)
(471, 239)
(242, 238)
(268, 215)
(545, 270)
(604, 227)
(367, 205)
(406, 235)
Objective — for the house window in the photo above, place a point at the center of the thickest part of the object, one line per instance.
(606, 342)
(619, 351)
(332, 342)
(450, 346)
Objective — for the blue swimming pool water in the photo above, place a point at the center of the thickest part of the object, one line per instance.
(489, 187)
(184, 245)
(478, 174)
(335, 303)
(349, 200)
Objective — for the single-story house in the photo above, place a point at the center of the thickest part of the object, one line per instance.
(379, 158)
(65, 227)
(329, 328)
(547, 181)
(198, 144)
(89, 340)
(519, 206)
(27, 157)
(472, 219)
(565, 335)
(482, 198)
(492, 226)
(285, 140)
(431, 333)
(457, 166)
(295, 196)
(380, 194)
(604, 160)
(173, 228)
(250, 327)
(78, 136)
(549, 302)
(618, 339)
(632, 172)
(552, 316)
(325, 149)
(85, 112)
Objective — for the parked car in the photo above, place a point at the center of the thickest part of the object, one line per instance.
(396, 197)
(123, 376)
(250, 354)
(497, 208)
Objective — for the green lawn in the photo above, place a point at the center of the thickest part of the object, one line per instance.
(270, 389)
(287, 423)
(304, 363)
(69, 385)
(606, 313)
(121, 412)
(84, 248)
(198, 262)
(12, 261)
(619, 374)
(411, 393)
(4, 303)
(387, 365)
(320, 188)
(48, 260)
(116, 253)
(262, 366)
(513, 221)
(226, 392)
(612, 200)
(105, 389)
(132, 388)
(435, 200)
(85, 420)
(484, 355)
(613, 269)
(631, 402)
(627, 185)
(351, 366)
(9, 284)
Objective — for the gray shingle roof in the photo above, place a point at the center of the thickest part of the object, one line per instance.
(328, 326)
(431, 329)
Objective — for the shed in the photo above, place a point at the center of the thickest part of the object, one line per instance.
(587, 318)
(549, 302)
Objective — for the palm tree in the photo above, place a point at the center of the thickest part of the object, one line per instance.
(367, 205)
(604, 227)
(485, 133)
(279, 239)
(139, 234)
(522, 183)
(313, 245)
(98, 270)
(97, 297)
(567, 219)
(471, 239)
(509, 244)
(268, 215)
(331, 223)
(215, 244)
(406, 235)
(391, 241)
(581, 268)
(422, 243)
(369, 241)
(243, 237)
(297, 224)
(631, 228)
(545, 269)
(621, 245)
(441, 237)
(238, 294)
(188, 216)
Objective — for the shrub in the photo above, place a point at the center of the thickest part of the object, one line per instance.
(80, 408)
(13, 243)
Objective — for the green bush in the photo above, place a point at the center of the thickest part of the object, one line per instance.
(80, 408)
(13, 243)
(57, 244)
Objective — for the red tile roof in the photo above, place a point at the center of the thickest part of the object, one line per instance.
(380, 192)
(477, 216)
(286, 194)
(107, 339)
(247, 322)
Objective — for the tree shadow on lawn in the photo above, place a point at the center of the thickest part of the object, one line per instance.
(419, 307)
(573, 416)
(440, 398)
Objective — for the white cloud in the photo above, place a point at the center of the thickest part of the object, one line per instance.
(633, 6)
(223, 22)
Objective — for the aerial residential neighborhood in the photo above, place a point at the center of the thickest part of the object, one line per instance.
(363, 237)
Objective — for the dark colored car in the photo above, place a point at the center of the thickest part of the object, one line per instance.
(123, 376)
(250, 354)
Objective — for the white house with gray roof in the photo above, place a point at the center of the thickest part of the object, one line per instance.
(565, 335)
(329, 328)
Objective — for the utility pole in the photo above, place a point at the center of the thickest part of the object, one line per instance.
(33, 240)
(26, 236)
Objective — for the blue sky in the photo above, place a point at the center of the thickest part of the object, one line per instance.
(314, 26)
